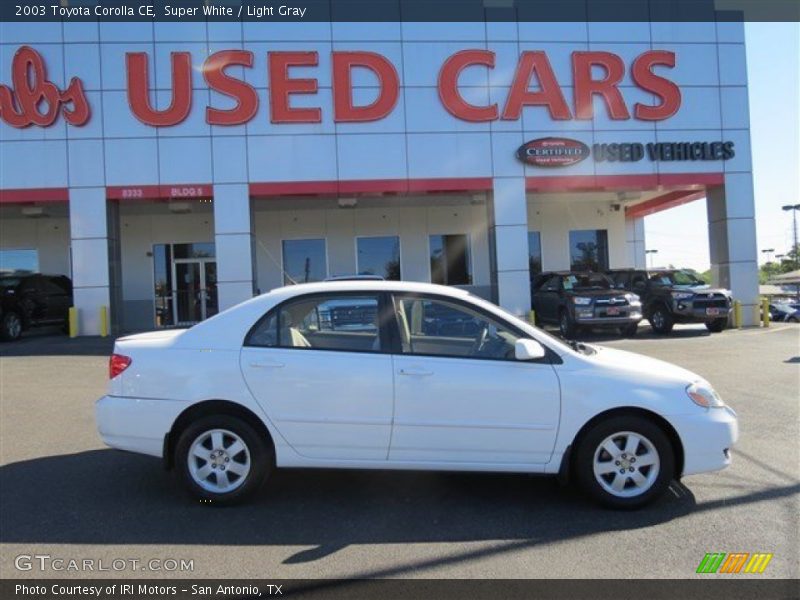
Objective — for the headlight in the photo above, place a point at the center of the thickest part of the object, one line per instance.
(682, 295)
(704, 395)
(633, 299)
(580, 301)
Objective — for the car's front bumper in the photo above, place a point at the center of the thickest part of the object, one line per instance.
(686, 310)
(136, 424)
(605, 321)
(708, 438)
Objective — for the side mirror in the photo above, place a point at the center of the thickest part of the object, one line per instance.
(527, 349)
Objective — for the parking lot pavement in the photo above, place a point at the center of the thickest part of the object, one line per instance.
(63, 494)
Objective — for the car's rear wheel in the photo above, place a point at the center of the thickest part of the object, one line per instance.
(716, 325)
(10, 326)
(222, 459)
(625, 462)
(661, 320)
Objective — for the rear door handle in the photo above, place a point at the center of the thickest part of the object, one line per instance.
(416, 372)
(266, 365)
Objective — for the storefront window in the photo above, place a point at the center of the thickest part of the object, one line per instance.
(379, 256)
(450, 261)
(588, 250)
(304, 261)
(23, 259)
(534, 253)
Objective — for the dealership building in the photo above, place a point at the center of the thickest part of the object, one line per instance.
(172, 170)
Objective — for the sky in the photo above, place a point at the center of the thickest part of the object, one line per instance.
(773, 70)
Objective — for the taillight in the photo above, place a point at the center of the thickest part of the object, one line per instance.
(117, 364)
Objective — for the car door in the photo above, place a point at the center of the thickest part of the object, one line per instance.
(319, 367)
(460, 396)
(547, 299)
(55, 299)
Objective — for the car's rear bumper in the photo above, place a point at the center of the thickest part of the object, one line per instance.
(707, 439)
(136, 424)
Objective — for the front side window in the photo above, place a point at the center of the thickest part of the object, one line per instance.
(450, 260)
(588, 250)
(304, 261)
(441, 328)
(348, 323)
(379, 256)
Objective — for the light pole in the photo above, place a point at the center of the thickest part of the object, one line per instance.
(794, 208)
(651, 252)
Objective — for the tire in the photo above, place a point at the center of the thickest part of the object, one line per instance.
(716, 325)
(566, 325)
(215, 433)
(792, 320)
(11, 326)
(597, 476)
(661, 320)
(629, 331)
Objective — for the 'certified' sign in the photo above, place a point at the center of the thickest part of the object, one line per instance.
(553, 152)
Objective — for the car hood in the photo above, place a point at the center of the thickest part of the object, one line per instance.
(596, 293)
(640, 367)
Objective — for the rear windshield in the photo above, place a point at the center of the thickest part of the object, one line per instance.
(587, 281)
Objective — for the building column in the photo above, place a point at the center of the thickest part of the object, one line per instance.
(635, 243)
(92, 248)
(508, 232)
(732, 241)
(234, 240)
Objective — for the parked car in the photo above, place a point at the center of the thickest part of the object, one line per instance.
(672, 296)
(257, 387)
(30, 300)
(584, 299)
(784, 312)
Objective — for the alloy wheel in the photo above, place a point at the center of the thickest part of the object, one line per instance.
(219, 461)
(13, 326)
(626, 464)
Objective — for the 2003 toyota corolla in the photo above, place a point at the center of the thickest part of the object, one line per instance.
(399, 375)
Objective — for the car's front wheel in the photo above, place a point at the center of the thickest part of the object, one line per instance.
(222, 459)
(625, 462)
(566, 325)
(661, 320)
(716, 325)
(10, 326)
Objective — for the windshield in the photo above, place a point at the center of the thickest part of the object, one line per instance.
(675, 278)
(587, 281)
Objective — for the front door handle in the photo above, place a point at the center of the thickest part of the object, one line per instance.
(416, 372)
(266, 365)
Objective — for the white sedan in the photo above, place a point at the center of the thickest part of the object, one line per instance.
(400, 375)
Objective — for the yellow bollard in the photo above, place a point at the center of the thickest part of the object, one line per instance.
(737, 314)
(765, 311)
(73, 321)
(103, 321)
(532, 317)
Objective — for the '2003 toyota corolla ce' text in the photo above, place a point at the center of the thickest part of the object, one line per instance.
(399, 375)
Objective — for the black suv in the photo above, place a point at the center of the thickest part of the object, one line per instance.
(33, 300)
(672, 296)
(576, 299)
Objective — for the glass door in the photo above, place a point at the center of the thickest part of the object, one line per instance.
(187, 295)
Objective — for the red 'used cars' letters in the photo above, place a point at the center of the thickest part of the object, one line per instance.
(34, 100)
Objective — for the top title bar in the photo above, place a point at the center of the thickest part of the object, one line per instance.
(398, 10)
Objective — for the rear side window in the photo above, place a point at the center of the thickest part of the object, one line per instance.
(337, 322)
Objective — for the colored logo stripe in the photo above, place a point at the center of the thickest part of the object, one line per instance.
(734, 562)
(758, 562)
(711, 562)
